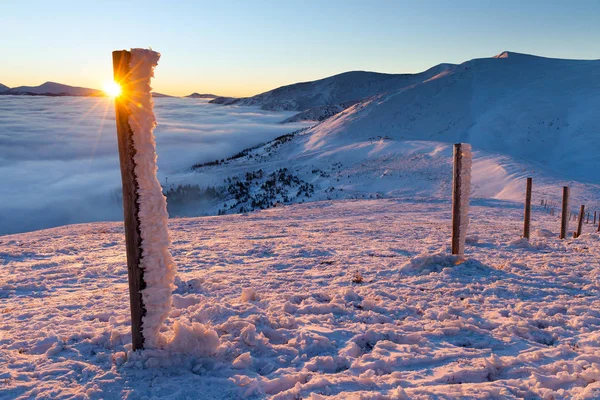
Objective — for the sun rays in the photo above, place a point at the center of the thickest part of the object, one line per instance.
(112, 89)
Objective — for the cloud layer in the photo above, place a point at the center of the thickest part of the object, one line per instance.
(59, 162)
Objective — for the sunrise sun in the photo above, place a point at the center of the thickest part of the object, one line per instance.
(112, 89)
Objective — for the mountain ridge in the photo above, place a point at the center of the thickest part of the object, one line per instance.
(344, 88)
(197, 95)
(53, 89)
(523, 115)
(313, 100)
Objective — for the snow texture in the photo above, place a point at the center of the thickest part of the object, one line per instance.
(156, 262)
(510, 321)
(466, 160)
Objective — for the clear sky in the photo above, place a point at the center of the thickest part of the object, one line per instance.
(240, 48)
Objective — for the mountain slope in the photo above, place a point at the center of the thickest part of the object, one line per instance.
(53, 89)
(157, 95)
(346, 87)
(524, 116)
(533, 108)
(3, 88)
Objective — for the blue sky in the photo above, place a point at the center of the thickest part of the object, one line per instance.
(245, 47)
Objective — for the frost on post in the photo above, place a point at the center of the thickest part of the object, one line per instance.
(461, 191)
(156, 261)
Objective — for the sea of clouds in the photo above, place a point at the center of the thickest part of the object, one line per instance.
(59, 159)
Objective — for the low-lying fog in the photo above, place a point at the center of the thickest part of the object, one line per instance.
(59, 159)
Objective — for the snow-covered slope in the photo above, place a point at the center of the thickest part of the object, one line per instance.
(3, 88)
(535, 109)
(335, 90)
(523, 115)
(53, 89)
(290, 170)
(333, 300)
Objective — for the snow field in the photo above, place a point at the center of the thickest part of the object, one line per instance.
(264, 306)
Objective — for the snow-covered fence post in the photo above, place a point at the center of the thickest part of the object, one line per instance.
(566, 214)
(461, 190)
(527, 221)
(133, 239)
(580, 222)
(150, 268)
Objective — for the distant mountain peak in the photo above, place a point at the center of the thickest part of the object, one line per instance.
(51, 89)
(504, 54)
(197, 95)
(512, 54)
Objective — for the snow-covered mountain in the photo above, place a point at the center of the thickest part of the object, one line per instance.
(53, 89)
(3, 88)
(202, 96)
(524, 116)
(533, 108)
(347, 88)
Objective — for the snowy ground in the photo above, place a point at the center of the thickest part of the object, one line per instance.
(515, 320)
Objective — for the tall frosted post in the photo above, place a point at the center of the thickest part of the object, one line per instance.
(151, 269)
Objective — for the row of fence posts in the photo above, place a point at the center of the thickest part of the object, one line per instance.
(565, 214)
(460, 202)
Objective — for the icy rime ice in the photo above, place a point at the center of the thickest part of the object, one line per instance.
(156, 262)
(517, 319)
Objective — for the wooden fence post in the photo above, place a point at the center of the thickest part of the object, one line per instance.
(133, 238)
(460, 196)
(580, 223)
(527, 217)
(566, 215)
(594, 217)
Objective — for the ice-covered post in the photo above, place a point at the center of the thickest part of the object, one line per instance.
(527, 221)
(149, 264)
(461, 190)
(580, 222)
(566, 214)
